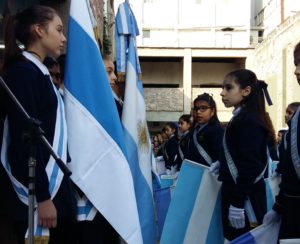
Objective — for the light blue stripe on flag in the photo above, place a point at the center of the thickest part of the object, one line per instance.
(96, 139)
(194, 215)
(137, 139)
(272, 189)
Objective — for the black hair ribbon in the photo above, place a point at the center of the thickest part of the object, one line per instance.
(264, 86)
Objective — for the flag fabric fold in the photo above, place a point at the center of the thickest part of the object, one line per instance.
(263, 234)
(96, 139)
(137, 139)
(194, 214)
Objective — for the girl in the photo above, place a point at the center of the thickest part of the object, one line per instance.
(184, 129)
(287, 201)
(206, 137)
(170, 149)
(40, 30)
(244, 154)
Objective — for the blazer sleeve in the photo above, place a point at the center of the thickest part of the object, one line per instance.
(28, 87)
(250, 152)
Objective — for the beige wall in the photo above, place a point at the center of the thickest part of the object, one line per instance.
(272, 61)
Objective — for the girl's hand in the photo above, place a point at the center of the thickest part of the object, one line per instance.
(47, 216)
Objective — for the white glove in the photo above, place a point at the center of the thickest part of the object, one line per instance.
(236, 217)
(271, 217)
(214, 168)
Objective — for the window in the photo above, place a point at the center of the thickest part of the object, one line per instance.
(146, 33)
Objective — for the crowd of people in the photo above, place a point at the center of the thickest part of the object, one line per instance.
(237, 153)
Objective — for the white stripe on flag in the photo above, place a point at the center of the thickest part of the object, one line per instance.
(194, 215)
(203, 200)
(96, 139)
(263, 234)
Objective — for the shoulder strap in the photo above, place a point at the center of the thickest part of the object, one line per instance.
(294, 142)
(232, 167)
(200, 149)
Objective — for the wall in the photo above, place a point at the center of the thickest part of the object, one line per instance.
(272, 61)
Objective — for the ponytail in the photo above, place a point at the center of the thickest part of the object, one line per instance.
(12, 51)
(18, 31)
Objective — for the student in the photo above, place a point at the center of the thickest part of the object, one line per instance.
(287, 202)
(112, 78)
(54, 71)
(170, 149)
(40, 30)
(243, 159)
(184, 129)
(206, 137)
(99, 230)
(282, 144)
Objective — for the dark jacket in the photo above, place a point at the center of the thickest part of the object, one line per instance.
(35, 92)
(170, 152)
(246, 141)
(210, 138)
(290, 181)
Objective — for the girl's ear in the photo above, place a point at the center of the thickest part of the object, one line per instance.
(213, 111)
(38, 30)
(246, 91)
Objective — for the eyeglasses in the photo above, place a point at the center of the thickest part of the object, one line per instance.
(55, 75)
(201, 108)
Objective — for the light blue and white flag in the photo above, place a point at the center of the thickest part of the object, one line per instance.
(96, 140)
(137, 138)
(263, 234)
(194, 214)
(272, 189)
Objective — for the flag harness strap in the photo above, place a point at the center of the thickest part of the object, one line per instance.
(200, 149)
(294, 143)
(234, 173)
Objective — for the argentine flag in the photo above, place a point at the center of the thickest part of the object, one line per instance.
(263, 234)
(137, 138)
(194, 214)
(96, 140)
(272, 189)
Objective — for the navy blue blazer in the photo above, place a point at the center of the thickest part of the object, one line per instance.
(246, 141)
(35, 92)
(290, 182)
(210, 138)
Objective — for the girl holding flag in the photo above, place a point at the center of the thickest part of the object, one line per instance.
(244, 153)
(206, 137)
(287, 201)
(40, 30)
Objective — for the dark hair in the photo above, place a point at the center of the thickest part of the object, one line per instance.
(255, 101)
(49, 62)
(186, 118)
(294, 105)
(211, 102)
(172, 125)
(18, 31)
(297, 52)
(62, 63)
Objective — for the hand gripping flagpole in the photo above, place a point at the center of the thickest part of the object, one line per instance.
(33, 136)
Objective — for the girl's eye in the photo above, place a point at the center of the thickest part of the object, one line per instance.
(227, 87)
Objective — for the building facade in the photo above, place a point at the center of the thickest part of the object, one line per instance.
(187, 46)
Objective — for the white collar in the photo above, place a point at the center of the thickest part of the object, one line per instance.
(37, 62)
(236, 111)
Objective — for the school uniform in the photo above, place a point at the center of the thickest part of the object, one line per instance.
(182, 149)
(170, 152)
(246, 141)
(288, 200)
(209, 137)
(35, 92)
